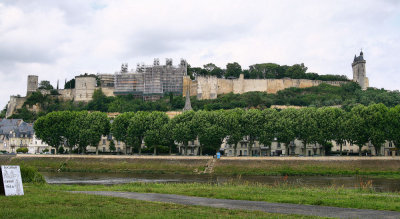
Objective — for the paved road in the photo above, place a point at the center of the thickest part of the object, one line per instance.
(253, 205)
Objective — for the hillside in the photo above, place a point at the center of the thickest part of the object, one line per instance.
(346, 95)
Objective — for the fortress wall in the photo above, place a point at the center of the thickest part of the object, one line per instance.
(206, 87)
(225, 86)
(189, 83)
(14, 104)
(108, 91)
(255, 85)
(66, 94)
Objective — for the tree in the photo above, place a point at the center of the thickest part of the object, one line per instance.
(233, 124)
(154, 134)
(233, 70)
(210, 130)
(268, 127)
(70, 84)
(183, 131)
(376, 118)
(97, 125)
(99, 101)
(394, 127)
(331, 124)
(357, 127)
(51, 128)
(138, 126)
(119, 129)
(253, 124)
(306, 127)
(168, 135)
(45, 85)
(285, 127)
(112, 146)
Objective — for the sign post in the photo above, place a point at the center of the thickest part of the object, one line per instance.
(11, 181)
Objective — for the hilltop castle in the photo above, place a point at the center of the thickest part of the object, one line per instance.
(151, 82)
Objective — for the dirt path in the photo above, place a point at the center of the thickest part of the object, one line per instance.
(253, 205)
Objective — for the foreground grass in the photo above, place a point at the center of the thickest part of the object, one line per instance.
(45, 202)
(331, 196)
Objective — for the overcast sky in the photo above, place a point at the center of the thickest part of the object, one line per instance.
(57, 40)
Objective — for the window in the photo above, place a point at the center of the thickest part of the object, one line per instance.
(119, 149)
(390, 144)
(104, 149)
(279, 145)
(104, 141)
(245, 152)
(344, 143)
(118, 143)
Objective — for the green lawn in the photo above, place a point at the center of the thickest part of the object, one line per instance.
(330, 196)
(49, 202)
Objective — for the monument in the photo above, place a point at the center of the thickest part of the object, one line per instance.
(11, 181)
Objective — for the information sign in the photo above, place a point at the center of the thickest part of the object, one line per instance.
(11, 181)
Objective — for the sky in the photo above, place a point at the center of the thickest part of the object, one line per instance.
(58, 40)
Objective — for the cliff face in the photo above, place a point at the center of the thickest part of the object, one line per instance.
(210, 87)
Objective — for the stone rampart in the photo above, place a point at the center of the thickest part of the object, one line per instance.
(209, 87)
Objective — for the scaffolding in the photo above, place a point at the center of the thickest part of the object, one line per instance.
(151, 81)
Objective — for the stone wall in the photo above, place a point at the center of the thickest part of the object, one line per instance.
(14, 104)
(209, 87)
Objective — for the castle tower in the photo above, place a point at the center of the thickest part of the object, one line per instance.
(84, 87)
(359, 72)
(32, 84)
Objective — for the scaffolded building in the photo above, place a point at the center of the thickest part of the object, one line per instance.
(151, 81)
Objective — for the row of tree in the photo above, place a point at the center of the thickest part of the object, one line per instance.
(262, 71)
(375, 124)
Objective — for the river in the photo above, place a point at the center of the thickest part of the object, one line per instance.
(378, 184)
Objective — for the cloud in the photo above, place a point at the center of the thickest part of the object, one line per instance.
(61, 39)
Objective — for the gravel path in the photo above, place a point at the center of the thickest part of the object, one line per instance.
(253, 205)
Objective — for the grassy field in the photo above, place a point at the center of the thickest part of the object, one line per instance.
(306, 166)
(114, 164)
(49, 202)
(339, 166)
(363, 198)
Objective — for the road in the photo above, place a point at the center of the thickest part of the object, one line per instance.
(281, 208)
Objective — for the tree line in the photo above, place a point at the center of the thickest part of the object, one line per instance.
(373, 124)
(262, 71)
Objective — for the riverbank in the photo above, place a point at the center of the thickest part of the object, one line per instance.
(388, 167)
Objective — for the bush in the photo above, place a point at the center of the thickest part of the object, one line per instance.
(31, 175)
(22, 150)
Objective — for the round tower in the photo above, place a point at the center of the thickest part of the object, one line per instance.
(33, 83)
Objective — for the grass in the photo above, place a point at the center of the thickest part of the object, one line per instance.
(45, 202)
(130, 165)
(363, 198)
(387, 168)
(283, 167)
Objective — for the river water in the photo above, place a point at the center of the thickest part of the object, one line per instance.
(378, 184)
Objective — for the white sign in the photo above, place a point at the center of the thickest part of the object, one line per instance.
(11, 180)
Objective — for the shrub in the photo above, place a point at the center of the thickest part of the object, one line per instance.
(31, 175)
(22, 150)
